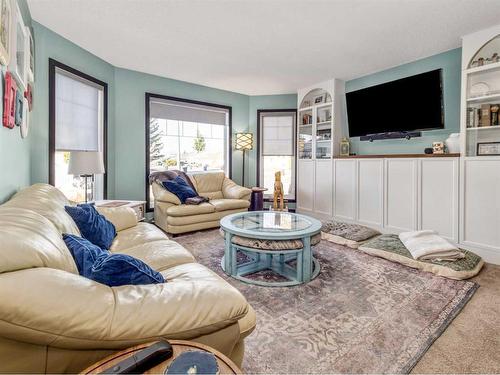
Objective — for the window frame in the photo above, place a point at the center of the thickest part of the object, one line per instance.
(53, 66)
(259, 141)
(148, 97)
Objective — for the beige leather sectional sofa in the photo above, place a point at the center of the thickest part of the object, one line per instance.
(53, 320)
(226, 197)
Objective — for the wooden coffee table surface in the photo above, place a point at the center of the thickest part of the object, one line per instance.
(226, 366)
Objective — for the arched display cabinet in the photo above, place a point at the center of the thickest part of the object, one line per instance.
(480, 130)
(320, 128)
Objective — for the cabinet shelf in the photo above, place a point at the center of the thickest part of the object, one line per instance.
(485, 127)
(483, 98)
(324, 122)
(483, 68)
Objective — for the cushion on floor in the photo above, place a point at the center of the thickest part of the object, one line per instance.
(256, 243)
(351, 235)
(390, 247)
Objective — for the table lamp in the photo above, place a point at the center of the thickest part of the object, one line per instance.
(86, 164)
(244, 142)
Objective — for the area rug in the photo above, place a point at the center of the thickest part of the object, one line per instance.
(362, 314)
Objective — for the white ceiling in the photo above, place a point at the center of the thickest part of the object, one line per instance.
(261, 47)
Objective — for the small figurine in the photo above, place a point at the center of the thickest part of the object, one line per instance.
(278, 193)
(345, 147)
(494, 114)
(438, 148)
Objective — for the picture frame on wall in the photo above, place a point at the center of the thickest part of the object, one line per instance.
(5, 31)
(21, 54)
(30, 60)
(488, 149)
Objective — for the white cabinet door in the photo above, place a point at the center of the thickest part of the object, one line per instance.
(344, 194)
(371, 192)
(323, 189)
(401, 195)
(305, 185)
(438, 208)
(481, 207)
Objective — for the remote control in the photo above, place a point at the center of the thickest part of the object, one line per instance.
(143, 360)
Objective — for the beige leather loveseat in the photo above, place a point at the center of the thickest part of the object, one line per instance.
(53, 320)
(226, 197)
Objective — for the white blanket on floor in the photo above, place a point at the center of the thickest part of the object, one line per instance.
(428, 245)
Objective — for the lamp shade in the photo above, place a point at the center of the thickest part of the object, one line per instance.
(85, 163)
(244, 141)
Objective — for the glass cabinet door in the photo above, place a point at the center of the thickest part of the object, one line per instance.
(305, 139)
(324, 132)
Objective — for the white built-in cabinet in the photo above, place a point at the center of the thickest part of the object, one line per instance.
(398, 194)
(320, 119)
(480, 175)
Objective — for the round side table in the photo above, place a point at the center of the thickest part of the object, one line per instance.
(226, 366)
(257, 199)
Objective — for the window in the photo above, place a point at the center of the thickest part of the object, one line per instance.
(186, 135)
(77, 117)
(276, 150)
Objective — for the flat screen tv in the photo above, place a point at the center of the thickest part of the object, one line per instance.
(405, 105)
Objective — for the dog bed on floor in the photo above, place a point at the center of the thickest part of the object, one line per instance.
(390, 247)
(256, 243)
(351, 235)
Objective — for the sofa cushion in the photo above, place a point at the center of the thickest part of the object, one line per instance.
(84, 252)
(93, 226)
(30, 240)
(122, 269)
(229, 204)
(160, 255)
(348, 234)
(180, 188)
(121, 217)
(189, 210)
(138, 235)
(209, 184)
(202, 218)
(47, 201)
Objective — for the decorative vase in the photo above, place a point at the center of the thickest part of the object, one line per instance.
(453, 143)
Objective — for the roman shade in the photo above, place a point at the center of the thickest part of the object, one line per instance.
(78, 105)
(278, 135)
(182, 111)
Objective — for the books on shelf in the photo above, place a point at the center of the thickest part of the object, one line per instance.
(483, 116)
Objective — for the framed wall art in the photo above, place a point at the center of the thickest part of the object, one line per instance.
(9, 101)
(488, 149)
(20, 66)
(30, 60)
(5, 31)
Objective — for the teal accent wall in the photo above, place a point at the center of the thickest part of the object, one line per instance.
(450, 62)
(15, 159)
(131, 87)
(51, 45)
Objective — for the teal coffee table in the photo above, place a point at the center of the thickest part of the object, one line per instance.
(276, 241)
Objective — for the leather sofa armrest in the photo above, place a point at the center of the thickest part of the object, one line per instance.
(121, 217)
(45, 306)
(231, 190)
(163, 195)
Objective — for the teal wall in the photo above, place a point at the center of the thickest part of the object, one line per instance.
(450, 62)
(15, 159)
(50, 45)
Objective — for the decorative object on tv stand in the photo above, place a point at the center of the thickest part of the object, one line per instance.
(437, 147)
(86, 164)
(278, 193)
(453, 143)
(244, 142)
(488, 149)
(5, 31)
(345, 147)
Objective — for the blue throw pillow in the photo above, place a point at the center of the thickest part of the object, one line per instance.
(84, 252)
(93, 226)
(121, 269)
(180, 188)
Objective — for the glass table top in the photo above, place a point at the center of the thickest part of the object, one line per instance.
(271, 222)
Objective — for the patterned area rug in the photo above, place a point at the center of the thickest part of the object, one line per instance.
(362, 314)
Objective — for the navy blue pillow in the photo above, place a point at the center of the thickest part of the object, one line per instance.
(121, 269)
(180, 188)
(93, 226)
(84, 252)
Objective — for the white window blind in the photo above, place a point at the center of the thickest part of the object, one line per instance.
(175, 110)
(78, 119)
(277, 137)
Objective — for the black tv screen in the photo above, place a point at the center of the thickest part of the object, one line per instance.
(408, 104)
